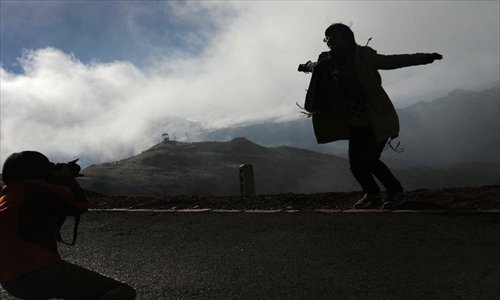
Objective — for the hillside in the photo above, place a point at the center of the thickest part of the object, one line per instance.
(174, 168)
(211, 168)
(461, 127)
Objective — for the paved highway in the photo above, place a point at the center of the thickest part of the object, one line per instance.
(213, 255)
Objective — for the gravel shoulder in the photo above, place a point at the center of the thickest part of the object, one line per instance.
(475, 198)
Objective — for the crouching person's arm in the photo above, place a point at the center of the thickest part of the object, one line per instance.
(69, 199)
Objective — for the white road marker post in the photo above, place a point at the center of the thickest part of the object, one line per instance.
(247, 183)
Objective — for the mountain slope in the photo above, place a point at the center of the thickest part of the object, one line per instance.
(460, 127)
(173, 168)
(211, 168)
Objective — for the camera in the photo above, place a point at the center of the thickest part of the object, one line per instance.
(306, 68)
(64, 173)
(72, 169)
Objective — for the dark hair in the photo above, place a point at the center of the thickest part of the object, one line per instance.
(26, 165)
(343, 30)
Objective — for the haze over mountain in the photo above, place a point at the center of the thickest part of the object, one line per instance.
(449, 142)
(461, 127)
(211, 168)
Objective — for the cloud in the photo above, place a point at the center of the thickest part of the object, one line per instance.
(245, 71)
(62, 107)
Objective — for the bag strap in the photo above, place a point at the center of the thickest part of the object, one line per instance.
(394, 148)
(75, 233)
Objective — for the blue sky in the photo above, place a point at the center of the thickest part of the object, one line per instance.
(103, 30)
(106, 78)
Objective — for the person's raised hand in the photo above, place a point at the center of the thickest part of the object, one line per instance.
(436, 56)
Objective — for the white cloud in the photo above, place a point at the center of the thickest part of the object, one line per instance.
(61, 106)
(246, 72)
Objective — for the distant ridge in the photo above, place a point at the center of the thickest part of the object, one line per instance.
(461, 127)
(211, 168)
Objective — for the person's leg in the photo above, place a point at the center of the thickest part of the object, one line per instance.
(80, 283)
(378, 168)
(36, 285)
(395, 193)
(67, 281)
(382, 172)
(361, 158)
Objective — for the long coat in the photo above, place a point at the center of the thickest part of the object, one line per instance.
(330, 111)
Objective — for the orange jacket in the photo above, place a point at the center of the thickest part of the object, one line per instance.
(29, 210)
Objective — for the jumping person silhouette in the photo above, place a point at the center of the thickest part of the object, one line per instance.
(347, 102)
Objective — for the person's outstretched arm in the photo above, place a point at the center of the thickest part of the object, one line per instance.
(395, 61)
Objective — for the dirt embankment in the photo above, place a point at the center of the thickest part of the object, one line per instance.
(485, 197)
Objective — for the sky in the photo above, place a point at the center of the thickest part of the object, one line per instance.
(102, 80)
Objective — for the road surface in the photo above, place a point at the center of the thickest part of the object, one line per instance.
(294, 255)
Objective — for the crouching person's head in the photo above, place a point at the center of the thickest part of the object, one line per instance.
(26, 165)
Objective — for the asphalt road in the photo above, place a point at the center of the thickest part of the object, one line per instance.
(294, 255)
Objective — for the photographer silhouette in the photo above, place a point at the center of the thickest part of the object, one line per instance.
(34, 201)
